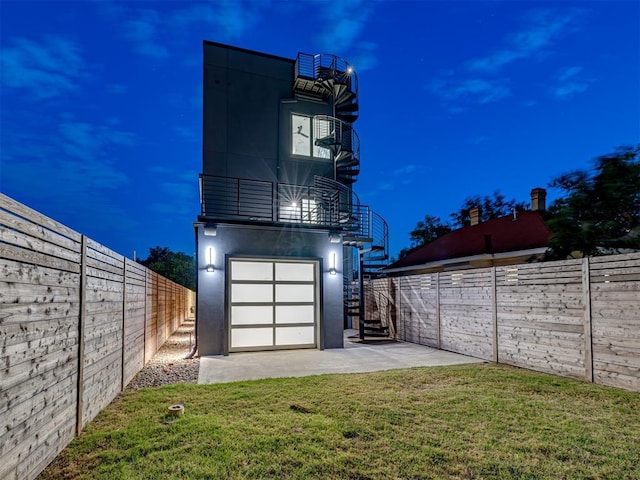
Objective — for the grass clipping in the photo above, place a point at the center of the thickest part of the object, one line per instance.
(465, 422)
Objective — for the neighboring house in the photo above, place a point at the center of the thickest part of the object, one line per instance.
(518, 238)
(281, 235)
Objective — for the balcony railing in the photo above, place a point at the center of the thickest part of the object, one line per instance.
(239, 199)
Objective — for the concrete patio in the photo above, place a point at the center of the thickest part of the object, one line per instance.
(355, 357)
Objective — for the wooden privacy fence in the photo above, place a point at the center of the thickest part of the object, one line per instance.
(77, 322)
(576, 318)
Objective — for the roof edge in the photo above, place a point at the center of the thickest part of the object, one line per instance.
(481, 256)
(246, 50)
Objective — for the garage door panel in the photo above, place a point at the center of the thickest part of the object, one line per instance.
(252, 337)
(294, 272)
(251, 314)
(251, 293)
(251, 271)
(295, 335)
(295, 314)
(295, 293)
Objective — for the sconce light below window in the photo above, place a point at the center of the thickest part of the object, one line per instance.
(332, 270)
(210, 267)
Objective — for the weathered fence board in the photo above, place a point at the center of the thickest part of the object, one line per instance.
(134, 320)
(615, 324)
(74, 320)
(38, 337)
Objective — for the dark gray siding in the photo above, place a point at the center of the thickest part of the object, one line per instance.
(241, 102)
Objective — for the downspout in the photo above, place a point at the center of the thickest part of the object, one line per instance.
(193, 351)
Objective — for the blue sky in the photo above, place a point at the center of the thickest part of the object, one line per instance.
(101, 101)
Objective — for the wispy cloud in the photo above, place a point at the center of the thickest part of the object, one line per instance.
(474, 90)
(407, 169)
(345, 22)
(569, 83)
(543, 28)
(180, 189)
(148, 29)
(117, 89)
(76, 158)
(569, 73)
(188, 134)
(47, 69)
(487, 79)
(89, 141)
(143, 32)
(231, 18)
(77, 152)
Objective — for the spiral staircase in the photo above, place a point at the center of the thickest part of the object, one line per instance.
(331, 79)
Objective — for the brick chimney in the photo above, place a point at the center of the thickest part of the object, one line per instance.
(538, 199)
(474, 214)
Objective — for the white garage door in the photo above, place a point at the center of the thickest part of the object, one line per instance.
(273, 304)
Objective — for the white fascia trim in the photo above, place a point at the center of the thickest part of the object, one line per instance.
(471, 258)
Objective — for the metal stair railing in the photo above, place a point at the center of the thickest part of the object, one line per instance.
(327, 132)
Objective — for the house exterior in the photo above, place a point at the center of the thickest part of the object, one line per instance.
(518, 238)
(281, 236)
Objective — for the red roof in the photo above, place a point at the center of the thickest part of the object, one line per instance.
(499, 235)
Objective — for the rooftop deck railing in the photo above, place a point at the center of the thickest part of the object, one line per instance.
(322, 65)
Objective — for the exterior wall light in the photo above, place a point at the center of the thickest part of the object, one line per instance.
(210, 230)
(210, 267)
(332, 270)
(335, 238)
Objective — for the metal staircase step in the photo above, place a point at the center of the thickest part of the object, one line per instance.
(347, 160)
(370, 322)
(348, 107)
(376, 258)
(376, 266)
(348, 118)
(386, 335)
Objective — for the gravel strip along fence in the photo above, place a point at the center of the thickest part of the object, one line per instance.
(168, 365)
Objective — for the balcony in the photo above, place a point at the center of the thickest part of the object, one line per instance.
(242, 200)
(326, 204)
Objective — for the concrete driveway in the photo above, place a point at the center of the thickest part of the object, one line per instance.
(353, 358)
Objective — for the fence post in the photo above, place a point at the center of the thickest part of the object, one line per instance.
(399, 308)
(494, 313)
(586, 301)
(124, 315)
(144, 323)
(82, 320)
(438, 309)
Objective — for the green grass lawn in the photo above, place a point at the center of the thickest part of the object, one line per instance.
(464, 422)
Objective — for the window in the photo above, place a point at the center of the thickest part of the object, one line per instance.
(302, 136)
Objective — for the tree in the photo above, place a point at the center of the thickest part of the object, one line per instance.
(178, 267)
(426, 231)
(490, 207)
(600, 212)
